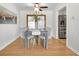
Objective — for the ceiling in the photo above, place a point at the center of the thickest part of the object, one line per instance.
(24, 6)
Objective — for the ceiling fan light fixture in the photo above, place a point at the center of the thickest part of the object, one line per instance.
(36, 5)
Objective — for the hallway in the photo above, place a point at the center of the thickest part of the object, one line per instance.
(55, 48)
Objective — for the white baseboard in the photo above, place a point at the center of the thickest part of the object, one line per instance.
(4, 46)
(73, 50)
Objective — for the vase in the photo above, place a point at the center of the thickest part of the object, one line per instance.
(36, 25)
(36, 28)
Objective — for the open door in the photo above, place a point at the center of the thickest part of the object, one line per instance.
(62, 23)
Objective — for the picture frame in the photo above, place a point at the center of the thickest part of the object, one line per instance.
(8, 19)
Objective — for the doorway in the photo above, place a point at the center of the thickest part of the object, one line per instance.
(62, 23)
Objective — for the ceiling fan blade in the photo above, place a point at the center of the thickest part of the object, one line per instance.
(40, 9)
(43, 6)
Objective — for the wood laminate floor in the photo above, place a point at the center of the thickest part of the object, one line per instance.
(55, 48)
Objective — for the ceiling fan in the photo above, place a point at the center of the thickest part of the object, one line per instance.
(40, 6)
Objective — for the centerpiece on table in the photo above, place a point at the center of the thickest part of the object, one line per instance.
(36, 18)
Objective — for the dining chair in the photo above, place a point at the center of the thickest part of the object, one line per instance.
(28, 37)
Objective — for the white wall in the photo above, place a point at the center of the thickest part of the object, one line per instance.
(8, 32)
(62, 11)
(49, 20)
(72, 26)
(9, 6)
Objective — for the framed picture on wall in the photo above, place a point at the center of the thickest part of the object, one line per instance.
(8, 19)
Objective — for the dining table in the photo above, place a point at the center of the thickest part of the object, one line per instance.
(36, 33)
